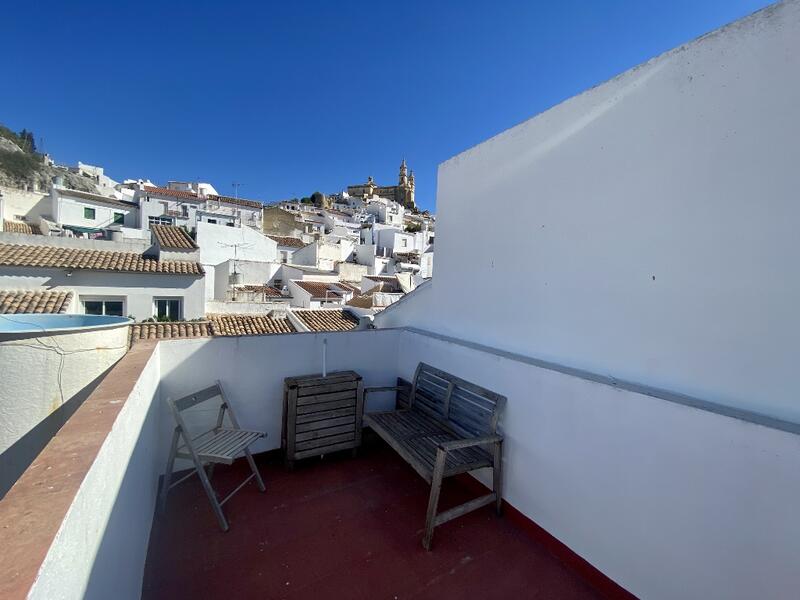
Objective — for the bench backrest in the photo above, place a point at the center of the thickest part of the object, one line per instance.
(469, 409)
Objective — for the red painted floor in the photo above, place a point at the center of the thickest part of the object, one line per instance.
(342, 527)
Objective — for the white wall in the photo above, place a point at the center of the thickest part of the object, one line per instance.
(253, 273)
(255, 387)
(655, 229)
(137, 289)
(217, 307)
(668, 500)
(70, 211)
(99, 551)
(215, 244)
(31, 205)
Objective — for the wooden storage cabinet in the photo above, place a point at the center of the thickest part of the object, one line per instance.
(321, 414)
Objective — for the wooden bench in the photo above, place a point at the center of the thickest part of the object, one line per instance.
(444, 426)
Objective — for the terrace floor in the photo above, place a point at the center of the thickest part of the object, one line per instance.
(343, 527)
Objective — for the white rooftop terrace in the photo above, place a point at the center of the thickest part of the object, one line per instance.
(651, 425)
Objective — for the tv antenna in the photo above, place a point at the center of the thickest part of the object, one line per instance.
(234, 276)
(236, 185)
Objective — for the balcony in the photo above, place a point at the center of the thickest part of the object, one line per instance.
(600, 499)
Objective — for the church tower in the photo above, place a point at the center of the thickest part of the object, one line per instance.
(403, 182)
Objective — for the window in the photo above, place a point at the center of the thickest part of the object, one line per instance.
(168, 308)
(212, 221)
(184, 210)
(284, 256)
(159, 220)
(404, 242)
(119, 218)
(103, 306)
(229, 224)
(88, 213)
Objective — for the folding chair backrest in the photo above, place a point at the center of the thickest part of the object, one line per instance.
(196, 398)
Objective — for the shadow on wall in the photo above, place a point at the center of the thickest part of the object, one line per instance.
(19, 456)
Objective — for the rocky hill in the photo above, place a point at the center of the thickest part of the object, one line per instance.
(21, 165)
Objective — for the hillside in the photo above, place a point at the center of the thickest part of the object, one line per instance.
(21, 165)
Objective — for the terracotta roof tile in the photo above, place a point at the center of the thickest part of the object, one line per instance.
(172, 237)
(56, 257)
(162, 191)
(95, 197)
(367, 299)
(34, 301)
(20, 227)
(326, 289)
(166, 331)
(327, 319)
(291, 242)
(239, 201)
(267, 290)
(226, 325)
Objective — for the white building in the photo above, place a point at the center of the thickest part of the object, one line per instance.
(89, 214)
(387, 212)
(320, 294)
(104, 279)
(187, 204)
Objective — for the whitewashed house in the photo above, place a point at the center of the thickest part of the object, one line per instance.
(91, 215)
(186, 204)
(287, 246)
(106, 277)
(320, 294)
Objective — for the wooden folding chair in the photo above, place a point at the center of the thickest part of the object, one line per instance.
(217, 445)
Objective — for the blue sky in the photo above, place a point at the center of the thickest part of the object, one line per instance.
(292, 97)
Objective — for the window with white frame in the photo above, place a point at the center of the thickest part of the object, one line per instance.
(168, 308)
(103, 305)
(159, 220)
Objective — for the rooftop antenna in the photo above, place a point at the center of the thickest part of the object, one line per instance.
(236, 186)
(235, 276)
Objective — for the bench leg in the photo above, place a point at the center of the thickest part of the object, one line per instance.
(497, 475)
(433, 500)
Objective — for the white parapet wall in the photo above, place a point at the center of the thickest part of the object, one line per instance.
(100, 549)
(667, 499)
(42, 369)
(654, 225)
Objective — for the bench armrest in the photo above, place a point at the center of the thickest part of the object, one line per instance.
(457, 444)
(387, 388)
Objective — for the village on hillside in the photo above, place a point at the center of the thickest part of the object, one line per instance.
(181, 260)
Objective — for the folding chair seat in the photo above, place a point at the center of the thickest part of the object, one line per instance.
(217, 445)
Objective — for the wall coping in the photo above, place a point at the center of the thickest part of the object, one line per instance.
(638, 388)
(32, 511)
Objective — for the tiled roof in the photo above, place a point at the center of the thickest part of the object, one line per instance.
(165, 331)
(327, 319)
(161, 191)
(170, 236)
(367, 299)
(56, 257)
(291, 242)
(386, 284)
(94, 197)
(19, 227)
(326, 289)
(226, 325)
(34, 301)
(240, 201)
(387, 278)
(348, 286)
(267, 290)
